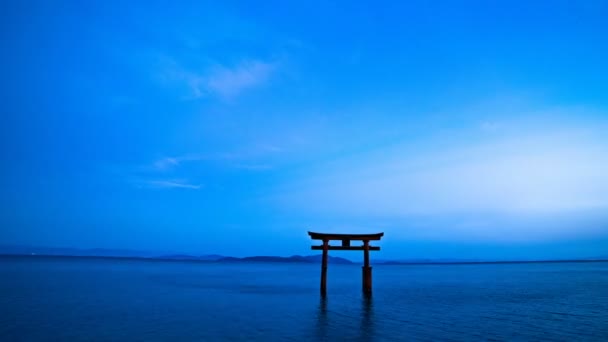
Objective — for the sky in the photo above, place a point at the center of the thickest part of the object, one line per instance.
(460, 129)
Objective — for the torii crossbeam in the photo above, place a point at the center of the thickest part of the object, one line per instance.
(346, 246)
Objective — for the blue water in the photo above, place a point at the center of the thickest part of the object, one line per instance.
(61, 299)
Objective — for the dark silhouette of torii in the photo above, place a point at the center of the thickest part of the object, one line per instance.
(345, 246)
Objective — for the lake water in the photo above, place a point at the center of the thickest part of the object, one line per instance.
(61, 299)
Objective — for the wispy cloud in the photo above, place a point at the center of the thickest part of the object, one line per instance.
(229, 82)
(166, 163)
(254, 157)
(170, 184)
(231, 160)
(223, 81)
(253, 167)
(170, 163)
(176, 170)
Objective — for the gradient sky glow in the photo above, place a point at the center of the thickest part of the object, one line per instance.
(462, 129)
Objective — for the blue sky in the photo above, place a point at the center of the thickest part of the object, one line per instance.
(473, 129)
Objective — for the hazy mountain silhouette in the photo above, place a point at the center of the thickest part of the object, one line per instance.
(294, 258)
(206, 257)
(60, 251)
(125, 253)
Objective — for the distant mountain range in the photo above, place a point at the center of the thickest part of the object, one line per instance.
(123, 253)
(55, 251)
(294, 258)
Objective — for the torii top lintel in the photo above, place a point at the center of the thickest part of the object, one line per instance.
(342, 237)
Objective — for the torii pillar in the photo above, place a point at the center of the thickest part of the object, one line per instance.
(346, 239)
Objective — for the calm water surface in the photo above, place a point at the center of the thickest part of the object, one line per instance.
(60, 299)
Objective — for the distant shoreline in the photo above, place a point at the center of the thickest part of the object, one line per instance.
(288, 260)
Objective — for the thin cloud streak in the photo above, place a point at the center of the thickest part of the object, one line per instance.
(171, 184)
(230, 82)
(253, 167)
(252, 158)
(166, 163)
(231, 161)
(222, 81)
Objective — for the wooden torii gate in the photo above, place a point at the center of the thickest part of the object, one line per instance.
(345, 246)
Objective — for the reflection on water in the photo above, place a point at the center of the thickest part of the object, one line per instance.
(322, 322)
(367, 318)
(366, 326)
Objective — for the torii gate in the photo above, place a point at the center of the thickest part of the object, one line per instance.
(346, 239)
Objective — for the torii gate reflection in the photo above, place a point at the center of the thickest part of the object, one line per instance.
(346, 239)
